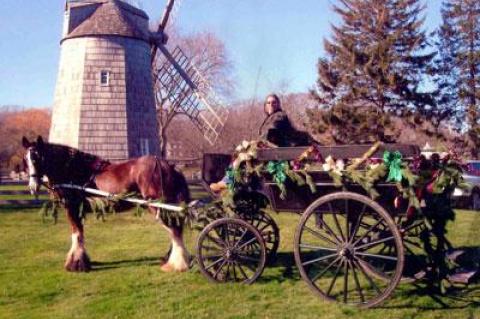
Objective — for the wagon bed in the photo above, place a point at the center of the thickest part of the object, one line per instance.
(298, 198)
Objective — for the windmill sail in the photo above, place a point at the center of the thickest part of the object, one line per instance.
(180, 83)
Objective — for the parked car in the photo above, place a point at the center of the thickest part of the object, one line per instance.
(470, 195)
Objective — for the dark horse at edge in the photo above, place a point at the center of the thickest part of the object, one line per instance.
(151, 177)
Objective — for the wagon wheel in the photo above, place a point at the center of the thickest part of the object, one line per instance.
(230, 249)
(337, 248)
(415, 261)
(249, 207)
(268, 228)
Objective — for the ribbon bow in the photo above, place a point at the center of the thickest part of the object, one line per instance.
(230, 174)
(393, 161)
(278, 171)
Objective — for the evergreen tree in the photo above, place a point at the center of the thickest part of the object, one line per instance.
(447, 108)
(459, 36)
(375, 66)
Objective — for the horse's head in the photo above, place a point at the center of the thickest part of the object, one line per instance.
(35, 161)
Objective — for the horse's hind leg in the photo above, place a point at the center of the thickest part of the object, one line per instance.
(77, 258)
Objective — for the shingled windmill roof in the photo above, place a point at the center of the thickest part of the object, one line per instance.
(111, 17)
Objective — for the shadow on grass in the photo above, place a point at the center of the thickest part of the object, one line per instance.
(416, 295)
(459, 296)
(287, 270)
(421, 297)
(10, 209)
(106, 265)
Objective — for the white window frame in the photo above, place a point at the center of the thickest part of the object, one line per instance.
(107, 74)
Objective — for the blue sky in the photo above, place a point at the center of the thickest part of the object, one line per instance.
(276, 41)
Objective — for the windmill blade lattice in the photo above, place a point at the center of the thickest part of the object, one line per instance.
(180, 84)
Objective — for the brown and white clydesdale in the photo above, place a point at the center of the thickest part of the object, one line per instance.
(151, 177)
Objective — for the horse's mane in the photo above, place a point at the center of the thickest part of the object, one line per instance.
(72, 153)
(72, 159)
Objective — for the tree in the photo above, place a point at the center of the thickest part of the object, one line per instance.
(461, 46)
(207, 52)
(446, 73)
(14, 125)
(374, 68)
(243, 123)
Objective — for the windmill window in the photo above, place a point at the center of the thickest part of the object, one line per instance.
(104, 77)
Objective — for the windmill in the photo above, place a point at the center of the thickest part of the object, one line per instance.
(179, 83)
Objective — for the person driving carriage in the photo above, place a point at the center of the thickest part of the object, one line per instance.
(277, 129)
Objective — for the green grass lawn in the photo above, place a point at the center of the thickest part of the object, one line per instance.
(127, 282)
(22, 197)
(14, 187)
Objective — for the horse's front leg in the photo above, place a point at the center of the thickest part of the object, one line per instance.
(178, 259)
(77, 258)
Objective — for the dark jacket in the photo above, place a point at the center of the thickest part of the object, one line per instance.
(277, 129)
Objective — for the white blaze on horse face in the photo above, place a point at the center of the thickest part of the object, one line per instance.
(34, 179)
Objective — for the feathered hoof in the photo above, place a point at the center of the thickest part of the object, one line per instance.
(168, 267)
(79, 262)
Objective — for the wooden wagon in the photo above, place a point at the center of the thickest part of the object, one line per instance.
(348, 247)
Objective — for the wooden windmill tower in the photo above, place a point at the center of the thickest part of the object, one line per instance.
(105, 98)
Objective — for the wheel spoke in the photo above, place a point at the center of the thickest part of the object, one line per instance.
(345, 283)
(220, 242)
(336, 222)
(214, 263)
(248, 258)
(383, 249)
(250, 241)
(376, 256)
(250, 267)
(414, 225)
(319, 235)
(368, 231)
(235, 277)
(263, 227)
(227, 234)
(411, 243)
(227, 276)
(347, 226)
(328, 230)
(411, 252)
(357, 224)
(362, 264)
(357, 283)
(244, 274)
(240, 239)
(317, 247)
(375, 243)
(210, 248)
(317, 276)
(319, 259)
(219, 269)
(212, 256)
(332, 283)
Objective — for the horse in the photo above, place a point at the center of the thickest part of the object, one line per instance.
(151, 177)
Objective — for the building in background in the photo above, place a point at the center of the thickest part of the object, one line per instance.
(104, 101)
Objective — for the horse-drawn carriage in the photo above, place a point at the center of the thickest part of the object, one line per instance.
(347, 246)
